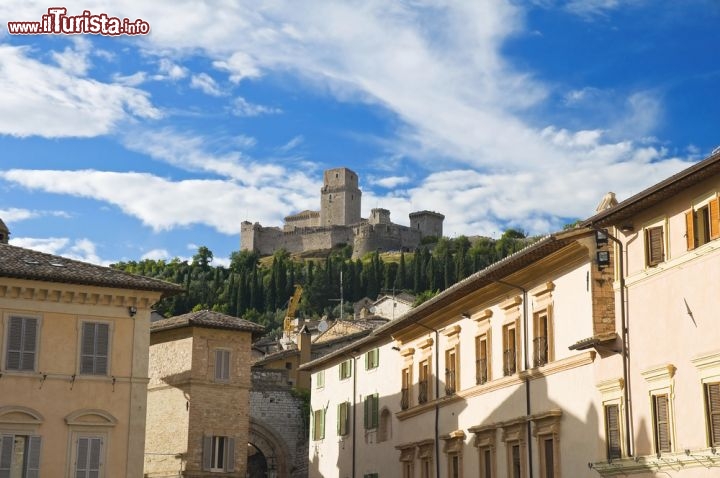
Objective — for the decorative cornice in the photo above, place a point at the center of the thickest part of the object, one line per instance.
(543, 289)
(708, 364)
(484, 315)
(659, 373)
(511, 302)
(408, 351)
(666, 462)
(452, 330)
(610, 385)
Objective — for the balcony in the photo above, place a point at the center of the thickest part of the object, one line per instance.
(509, 362)
(450, 381)
(405, 398)
(481, 371)
(423, 391)
(540, 348)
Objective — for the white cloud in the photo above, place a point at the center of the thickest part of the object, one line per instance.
(80, 249)
(162, 204)
(206, 84)
(135, 79)
(17, 214)
(170, 70)
(391, 181)
(43, 100)
(241, 107)
(75, 60)
(240, 66)
(156, 254)
(292, 144)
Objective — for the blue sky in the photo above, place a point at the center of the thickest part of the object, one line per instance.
(496, 113)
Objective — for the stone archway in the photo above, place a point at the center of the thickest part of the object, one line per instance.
(269, 449)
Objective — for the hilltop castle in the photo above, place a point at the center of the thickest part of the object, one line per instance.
(339, 222)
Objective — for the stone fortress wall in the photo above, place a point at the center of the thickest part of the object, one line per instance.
(339, 222)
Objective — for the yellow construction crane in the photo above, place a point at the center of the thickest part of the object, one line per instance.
(292, 308)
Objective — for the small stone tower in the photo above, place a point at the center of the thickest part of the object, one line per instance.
(4, 233)
(339, 198)
(429, 223)
(379, 216)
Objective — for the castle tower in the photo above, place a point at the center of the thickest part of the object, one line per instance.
(429, 223)
(339, 198)
(4, 233)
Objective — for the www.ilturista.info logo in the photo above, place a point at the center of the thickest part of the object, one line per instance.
(58, 22)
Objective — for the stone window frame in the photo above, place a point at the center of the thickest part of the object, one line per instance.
(485, 441)
(660, 381)
(89, 424)
(408, 355)
(407, 460)
(453, 448)
(484, 331)
(708, 367)
(512, 322)
(547, 426)
(452, 353)
(23, 421)
(79, 355)
(224, 375)
(514, 433)
(208, 457)
(426, 457)
(7, 316)
(543, 307)
(611, 394)
(425, 347)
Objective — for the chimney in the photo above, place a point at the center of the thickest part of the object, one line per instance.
(304, 346)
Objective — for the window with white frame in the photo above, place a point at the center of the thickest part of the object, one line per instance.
(222, 365)
(218, 453)
(345, 369)
(94, 348)
(612, 395)
(22, 343)
(19, 456)
(320, 379)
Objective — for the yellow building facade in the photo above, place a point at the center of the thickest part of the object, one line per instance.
(74, 343)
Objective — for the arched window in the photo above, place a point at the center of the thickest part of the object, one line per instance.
(384, 432)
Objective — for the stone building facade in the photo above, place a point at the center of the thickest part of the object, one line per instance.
(198, 396)
(339, 222)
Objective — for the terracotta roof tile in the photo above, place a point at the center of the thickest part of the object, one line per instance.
(208, 319)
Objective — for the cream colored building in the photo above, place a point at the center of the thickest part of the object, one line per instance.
(523, 370)
(73, 366)
(481, 377)
(198, 396)
(670, 424)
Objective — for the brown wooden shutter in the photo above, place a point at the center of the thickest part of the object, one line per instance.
(612, 429)
(654, 245)
(662, 424)
(714, 207)
(690, 229)
(713, 412)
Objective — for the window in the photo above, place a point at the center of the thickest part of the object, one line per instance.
(509, 349)
(370, 475)
(95, 344)
(612, 431)
(712, 400)
(384, 428)
(345, 369)
(318, 425)
(372, 359)
(547, 457)
(19, 456)
(320, 379)
(450, 371)
(371, 411)
(218, 453)
(661, 423)
(455, 467)
(88, 457)
(423, 382)
(407, 469)
(343, 419)
(702, 224)
(222, 365)
(22, 335)
(486, 462)
(482, 365)
(405, 391)
(654, 245)
(515, 460)
(541, 343)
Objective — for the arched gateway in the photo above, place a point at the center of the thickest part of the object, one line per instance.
(268, 455)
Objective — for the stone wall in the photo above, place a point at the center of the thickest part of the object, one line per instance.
(278, 426)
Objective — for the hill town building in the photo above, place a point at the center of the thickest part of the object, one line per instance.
(339, 222)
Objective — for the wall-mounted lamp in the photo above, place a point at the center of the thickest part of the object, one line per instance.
(132, 310)
(465, 315)
(602, 258)
(397, 349)
(601, 237)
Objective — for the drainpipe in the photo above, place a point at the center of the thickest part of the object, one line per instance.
(625, 352)
(354, 420)
(527, 367)
(437, 399)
